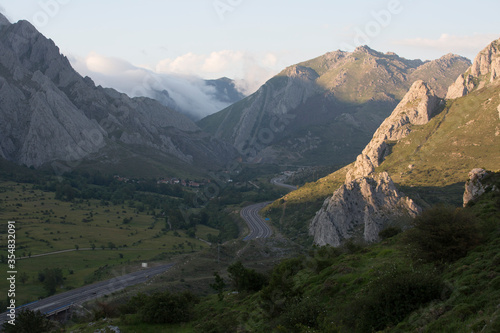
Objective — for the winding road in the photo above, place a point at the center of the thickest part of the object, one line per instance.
(63, 301)
(278, 181)
(258, 227)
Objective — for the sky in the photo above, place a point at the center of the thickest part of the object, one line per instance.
(123, 43)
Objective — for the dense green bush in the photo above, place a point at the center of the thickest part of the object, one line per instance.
(162, 308)
(443, 234)
(281, 288)
(244, 279)
(392, 296)
(28, 321)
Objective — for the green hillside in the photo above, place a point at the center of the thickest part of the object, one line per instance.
(397, 285)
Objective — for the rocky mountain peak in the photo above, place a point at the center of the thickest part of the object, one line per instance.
(3, 21)
(417, 107)
(487, 61)
(365, 49)
(484, 69)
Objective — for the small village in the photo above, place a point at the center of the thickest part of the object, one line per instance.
(167, 181)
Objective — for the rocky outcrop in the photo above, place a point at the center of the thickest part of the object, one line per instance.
(418, 106)
(360, 208)
(484, 69)
(368, 202)
(48, 112)
(476, 186)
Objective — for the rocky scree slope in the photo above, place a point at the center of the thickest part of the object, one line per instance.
(48, 113)
(325, 110)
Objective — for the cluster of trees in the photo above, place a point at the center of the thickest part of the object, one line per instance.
(162, 307)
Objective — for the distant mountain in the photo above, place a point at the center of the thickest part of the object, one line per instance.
(325, 110)
(49, 114)
(225, 90)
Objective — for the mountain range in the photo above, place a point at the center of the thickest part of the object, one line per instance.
(325, 110)
(426, 148)
(50, 115)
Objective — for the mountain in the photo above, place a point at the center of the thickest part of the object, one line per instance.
(179, 93)
(423, 144)
(325, 110)
(427, 147)
(49, 114)
(225, 90)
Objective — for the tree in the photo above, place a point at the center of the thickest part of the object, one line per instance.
(245, 279)
(219, 285)
(29, 321)
(51, 278)
(23, 277)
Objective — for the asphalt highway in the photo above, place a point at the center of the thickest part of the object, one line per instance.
(278, 181)
(258, 227)
(61, 301)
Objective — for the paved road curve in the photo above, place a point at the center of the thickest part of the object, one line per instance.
(278, 181)
(58, 302)
(258, 227)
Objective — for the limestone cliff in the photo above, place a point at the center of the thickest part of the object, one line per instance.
(417, 107)
(360, 208)
(484, 69)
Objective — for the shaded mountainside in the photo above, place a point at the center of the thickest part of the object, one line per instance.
(49, 113)
(427, 146)
(325, 110)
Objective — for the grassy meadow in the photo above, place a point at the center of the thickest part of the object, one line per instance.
(105, 240)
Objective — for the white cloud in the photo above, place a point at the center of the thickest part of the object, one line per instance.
(190, 94)
(464, 45)
(182, 76)
(248, 69)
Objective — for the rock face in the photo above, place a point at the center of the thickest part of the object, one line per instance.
(48, 112)
(362, 207)
(475, 186)
(368, 202)
(417, 107)
(326, 108)
(485, 69)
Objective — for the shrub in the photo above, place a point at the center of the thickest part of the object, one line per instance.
(389, 232)
(245, 279)
(167, 308)
(391, 297)
(29, 321)
(443, 234)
